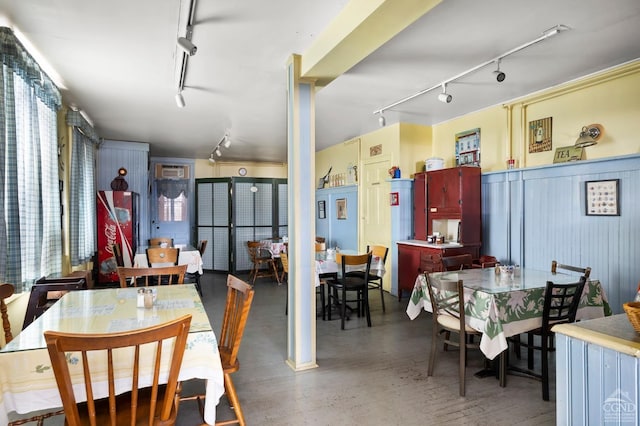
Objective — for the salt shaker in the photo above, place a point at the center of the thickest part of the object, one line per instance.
(148, 299)
(140, 299)
(497, 269)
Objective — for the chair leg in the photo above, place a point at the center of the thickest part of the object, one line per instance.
(463, 361)
(232, 396)
(382, 296)
(434, 347)
(198, 284)
(544, 354)
(322, 301)
(530, 341)
(343, 306)
(365, 302)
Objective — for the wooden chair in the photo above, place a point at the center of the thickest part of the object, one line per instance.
(485, 261)
(561, 303)
(320, 240)
(162, 256)
(202, 246)
(6, 291)
(584, 271)
(161, 241)
(351, 282)
(258, 260)
(46, 291)
(447, 301)
(284, 260)
(156, 405)
(457, 263)
(239, 298)
(321, 246)
(144, 277)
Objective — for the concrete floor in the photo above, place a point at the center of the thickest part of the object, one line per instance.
(372, 376)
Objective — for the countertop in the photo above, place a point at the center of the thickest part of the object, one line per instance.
(613, 332)
(422, 243)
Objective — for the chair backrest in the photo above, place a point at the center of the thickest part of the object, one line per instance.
(349, 261)
(321, 240)
(458, 262)
(379, 251)
(161, 241)
(321, 246)
(255, 250)
(6, 290)
(143, 277)
(561, 303)
(446, 297)
(486, 261)
(162, 256)
(117, 254)
(284, 259)
(584, 271)
(161, 406)
(202, 247)
(45, 292)
(236, 312)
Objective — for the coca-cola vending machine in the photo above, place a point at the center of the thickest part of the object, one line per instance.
(117, 222)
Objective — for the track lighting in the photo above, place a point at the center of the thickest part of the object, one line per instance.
(186, 45)
(444, 96)
(381, 120)
(180, 100)
(500, 76)
(211, 159)
(227, 141)
(218, 152)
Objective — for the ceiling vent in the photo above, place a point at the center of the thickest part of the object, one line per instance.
(167, 171)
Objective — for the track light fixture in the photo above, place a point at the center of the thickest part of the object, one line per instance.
(180, 100)
(225, 142)
(500, 76)
(211, 159)
(186, 45)
(444, 96)
(218, 152)
(381, 120)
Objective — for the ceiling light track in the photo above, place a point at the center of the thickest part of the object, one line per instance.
(224, 142)
(545, 35)
(187, 49)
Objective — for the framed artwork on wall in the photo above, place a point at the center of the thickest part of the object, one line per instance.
(341, 208)
(322, 210)
(468, 148)
(602, 197)
(540, 135)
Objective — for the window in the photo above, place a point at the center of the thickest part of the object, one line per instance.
(173, 209)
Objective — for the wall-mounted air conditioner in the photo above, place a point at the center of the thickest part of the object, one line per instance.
(170, 171)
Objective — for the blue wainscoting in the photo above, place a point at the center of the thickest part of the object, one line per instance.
(533, 216)
(342, 233)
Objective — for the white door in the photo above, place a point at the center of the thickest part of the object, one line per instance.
(375, 219)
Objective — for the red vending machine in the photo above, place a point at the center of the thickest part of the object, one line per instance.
(117, 222)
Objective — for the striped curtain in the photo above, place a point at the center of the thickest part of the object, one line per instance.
(82, 190)
(30, 222)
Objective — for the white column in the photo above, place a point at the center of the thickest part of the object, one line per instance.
(301, 320)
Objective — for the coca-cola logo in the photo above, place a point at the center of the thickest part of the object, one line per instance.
(110, 232)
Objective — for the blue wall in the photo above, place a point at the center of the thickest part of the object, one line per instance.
(338, 232)
(533, 216)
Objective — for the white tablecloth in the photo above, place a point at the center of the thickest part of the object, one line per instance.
(27, 383)
(188, 256)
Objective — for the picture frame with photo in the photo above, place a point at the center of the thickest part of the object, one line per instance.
(341, 208)
(602, 197)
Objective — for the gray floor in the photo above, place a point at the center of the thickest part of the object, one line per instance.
(372, 376)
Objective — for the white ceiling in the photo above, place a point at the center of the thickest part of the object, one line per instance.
(117, 62)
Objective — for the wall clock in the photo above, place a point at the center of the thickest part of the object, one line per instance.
(242, 171)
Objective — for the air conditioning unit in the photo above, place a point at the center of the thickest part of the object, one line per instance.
(168, 171)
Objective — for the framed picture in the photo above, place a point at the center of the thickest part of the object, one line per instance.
(602, 197)
(467, 148)
(540, 135)
(394, 199)
(322, 210)
(341, 208)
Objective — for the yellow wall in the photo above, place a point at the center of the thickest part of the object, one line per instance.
(416, 144)
(205, 169)
(339, 157)
(610, 98)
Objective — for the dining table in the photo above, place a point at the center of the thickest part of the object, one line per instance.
(27, 382)
(327, 265)
(501, 305)
(188, 255)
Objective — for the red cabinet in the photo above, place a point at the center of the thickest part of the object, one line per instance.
(455, 194)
